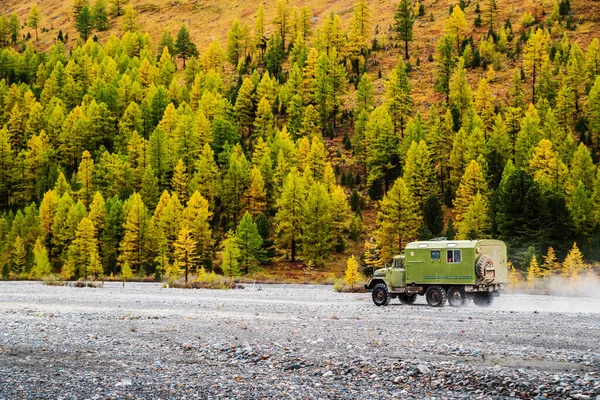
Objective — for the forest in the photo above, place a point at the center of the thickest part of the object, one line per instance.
(292, 142)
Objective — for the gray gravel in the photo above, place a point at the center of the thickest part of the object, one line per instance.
(289, 341)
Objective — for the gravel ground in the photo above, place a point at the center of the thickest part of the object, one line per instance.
(289, 341)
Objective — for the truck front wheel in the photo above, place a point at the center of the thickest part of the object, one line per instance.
(381, 296)
(435, 296)
(456, 296)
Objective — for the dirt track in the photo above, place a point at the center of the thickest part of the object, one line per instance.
(270, 341)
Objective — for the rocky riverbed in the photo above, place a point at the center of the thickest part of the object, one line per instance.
(289, 341)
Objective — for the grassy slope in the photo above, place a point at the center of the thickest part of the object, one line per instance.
(211, 19)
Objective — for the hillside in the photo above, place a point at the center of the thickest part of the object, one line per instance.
(282, 160)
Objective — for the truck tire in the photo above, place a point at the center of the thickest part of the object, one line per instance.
(408, 299)
(381, 295)
(483, 299)
(484, 262)
(456, 296)
(435, 296)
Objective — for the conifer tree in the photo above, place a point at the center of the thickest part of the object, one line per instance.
(256, 196)
(382, 159)
(99, 15)
(19, 256)
(84, 23)
(457, 26)
(149, 190)
(249, 243)
(244, 106)
(133, 248)
(206, 176)
(35, 16)
(471, 183)
(475, 223)
(593, 111)
(185, 251)
(398, 221)
(551, 264)
(129, 20)
(6, 167)
(581, 210)
(316, 224)
(41, 264)
(231, 254)
(405, 20)
(573, 265)
(398, 97)
(85, 174)
(364, 94)
(535, 272)
(351, 276)
(118, 8)
(445, 63)
(534, 56)
(82, 257)
(263, 124)
(179, 182)
(289, 217)
(259, 29)
(235, 183)
(419, 175)
(234, 43)
(184, 46)
(547, 168)
(433, 216)
(484, 105)
(460, 95)
(197, 217)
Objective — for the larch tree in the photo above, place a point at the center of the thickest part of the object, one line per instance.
(351, 276)
(460, 94)
(445, 63)
(179, 182)
(231, 254)
(581, 210)
(535, 272)
(249, 243)
(419, 174)
(382, 156)
(316, 224)
(118, 7)
(398, 97)
(82, 257)
(551, 264)
(85, 174)
(573, 265)
(35, 17)
(185, 251)
(398, 221)
(256, 196)
(282, 20)
(259, 29)
(475, 223)
(289, 217)
(234, 43)
(547, 168)
(593, 111)
(235, 183)
(471, 183)
(197, 217)
(129, 20)
(19, 256)
(41, 262)
(405, 20)
(100, 15)
(457, 26)
(133, 248)
(364, 94)
(534, 55)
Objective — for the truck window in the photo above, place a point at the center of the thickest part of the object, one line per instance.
(435, 255)
(453, 256)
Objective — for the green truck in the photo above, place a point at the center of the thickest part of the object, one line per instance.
(440, 269)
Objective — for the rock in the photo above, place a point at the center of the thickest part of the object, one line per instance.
(423, 369)
(327, 374)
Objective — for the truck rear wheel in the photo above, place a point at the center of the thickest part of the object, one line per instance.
(483, 299)
(407, 299)
(381, 295)
(456, 296)
(435, 296)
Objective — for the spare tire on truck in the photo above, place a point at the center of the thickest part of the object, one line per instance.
(484, 264)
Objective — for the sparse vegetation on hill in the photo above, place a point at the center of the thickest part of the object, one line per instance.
(279, 133)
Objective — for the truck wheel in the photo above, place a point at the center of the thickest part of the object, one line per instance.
(483, 299)
(456, 296)
(381, 296)
(435, 296)
(407, 299)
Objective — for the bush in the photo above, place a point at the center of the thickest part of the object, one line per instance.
(341, 287)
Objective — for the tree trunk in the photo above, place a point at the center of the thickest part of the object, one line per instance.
(406, 49)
